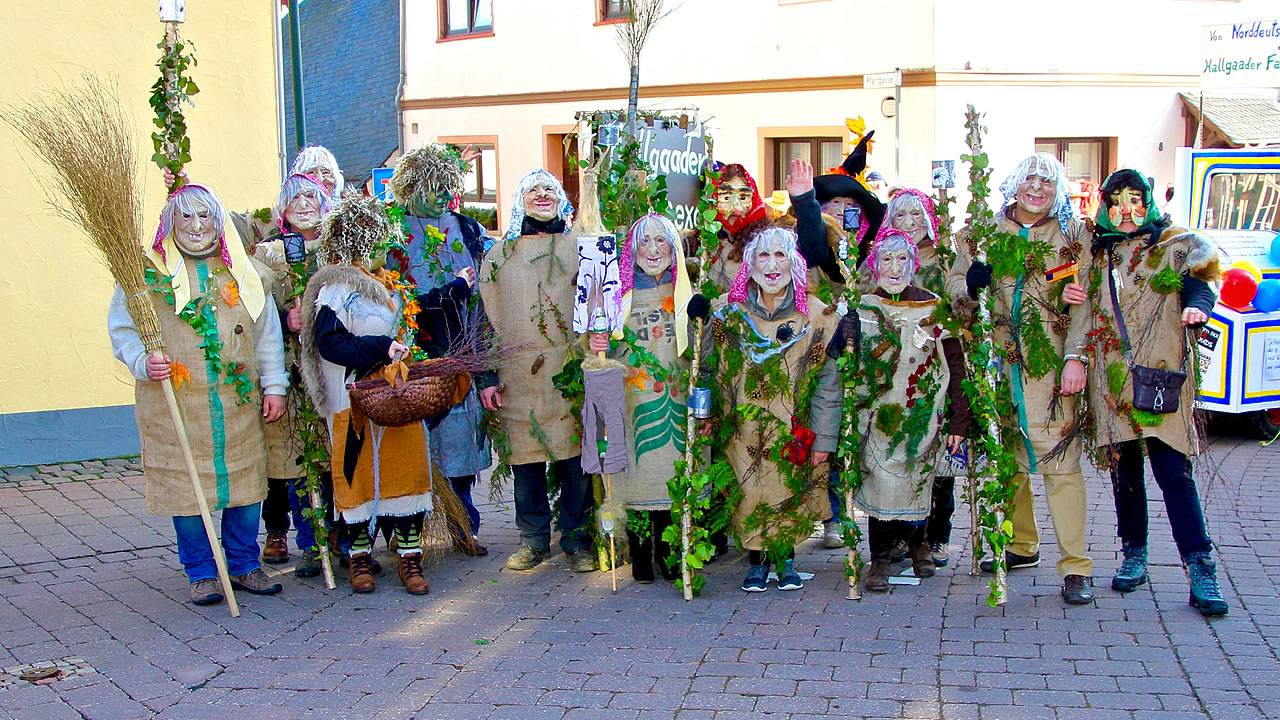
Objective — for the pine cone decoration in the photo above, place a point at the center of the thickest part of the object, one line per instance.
(1032, 263)
(721, 337)
(1011, 354)
(753, 451)
(817, 353)
(1066, 253)
(1062, 324)
(756, 392)
(1179, 258)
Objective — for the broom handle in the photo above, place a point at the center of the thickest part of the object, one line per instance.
(218, 558)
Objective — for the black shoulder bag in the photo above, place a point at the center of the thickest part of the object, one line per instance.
(1155, 390)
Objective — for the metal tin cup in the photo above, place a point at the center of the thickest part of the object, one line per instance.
(700, 403)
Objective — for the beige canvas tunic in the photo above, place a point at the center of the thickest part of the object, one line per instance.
(1154, 323)
(897, 482)
(226, 436)
(759, 478)
(524, 282)
(284, 441)
(1039, 428)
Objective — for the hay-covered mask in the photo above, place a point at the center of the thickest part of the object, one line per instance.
(427, 179)
(355, 230)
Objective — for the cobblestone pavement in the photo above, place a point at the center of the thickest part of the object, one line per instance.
(87, 576)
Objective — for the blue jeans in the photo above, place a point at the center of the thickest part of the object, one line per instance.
(1172, 471)
(239, 540)
(533, 507)
(462, 488)
(282, 501)
(833, 497)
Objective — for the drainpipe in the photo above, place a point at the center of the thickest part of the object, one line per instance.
(404, 140)
(277, 40)
(295, 49)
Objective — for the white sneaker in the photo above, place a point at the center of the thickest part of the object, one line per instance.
(832, 534)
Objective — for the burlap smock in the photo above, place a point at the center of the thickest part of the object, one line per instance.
(226, 436)
(655, 411)
(1038, 427)
(759, 477)
(1154, 323)
(896, 482)
(284, 443)
(517, 278)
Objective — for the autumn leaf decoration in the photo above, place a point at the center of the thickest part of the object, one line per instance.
(231, 294)
(179, 373)
(669, 304)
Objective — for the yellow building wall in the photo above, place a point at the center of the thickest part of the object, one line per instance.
(55, 353)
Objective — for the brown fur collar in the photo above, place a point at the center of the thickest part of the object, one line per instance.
(1202, 253)
(358, 281)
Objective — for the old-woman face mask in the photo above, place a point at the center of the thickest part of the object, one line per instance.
(894, 270)
(1128, 208)
(911, 220)
(540, 202)
(303, 211)
(653, 250)
(771, 268)
(195, 232)
(1036, 195)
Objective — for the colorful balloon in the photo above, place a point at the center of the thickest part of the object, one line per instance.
(1238, 288)
(1250, 266)
(1275, 250)
(1267, 298)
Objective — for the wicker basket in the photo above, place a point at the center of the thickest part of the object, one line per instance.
(422, 396)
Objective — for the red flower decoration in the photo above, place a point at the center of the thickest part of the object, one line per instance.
(797, 450)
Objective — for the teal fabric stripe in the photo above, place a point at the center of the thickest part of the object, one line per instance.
(1016, 372)
(216, 418)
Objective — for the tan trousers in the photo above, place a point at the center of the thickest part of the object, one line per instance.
(1065, 494)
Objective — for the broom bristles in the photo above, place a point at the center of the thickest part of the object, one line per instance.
(81, 132)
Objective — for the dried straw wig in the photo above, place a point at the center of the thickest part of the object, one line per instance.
(767, 239)
(891, 240)
(351, 233)
(432, 167)
(317, 156)
(564, 210)
(1047, 167)
(184, 201)
(295, 185)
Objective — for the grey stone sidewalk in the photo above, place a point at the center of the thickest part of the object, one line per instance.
(89, 579)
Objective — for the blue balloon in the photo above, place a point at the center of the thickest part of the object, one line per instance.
(1268, 297)
(1275, 250)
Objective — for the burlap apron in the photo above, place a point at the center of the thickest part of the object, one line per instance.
(524, 283)
(896, 482)
(226, 438)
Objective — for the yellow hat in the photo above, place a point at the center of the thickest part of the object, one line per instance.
(779, 201)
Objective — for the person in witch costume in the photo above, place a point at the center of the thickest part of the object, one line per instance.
(903, 393)
(302, 203)
(844, 201)
(222, 332)
(444, 248)
(782, 398)
(533, 268)
(1150, 294)
(653, 298)
(1038, 302)
(350, 323)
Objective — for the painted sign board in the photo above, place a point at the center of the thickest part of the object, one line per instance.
(1242, 54)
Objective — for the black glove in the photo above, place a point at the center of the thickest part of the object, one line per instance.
(978, 277)
(699, 307)
(846, 331)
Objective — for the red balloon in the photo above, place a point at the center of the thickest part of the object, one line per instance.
(1238, 288)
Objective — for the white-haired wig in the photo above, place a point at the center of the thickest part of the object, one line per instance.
(315, 156)
(183, 200)
(1047, 167)
(564, 209)
(890, 240)
(773, 237)
(293, 186)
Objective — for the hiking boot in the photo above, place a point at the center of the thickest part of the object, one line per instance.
(411, 574)
(899, 552)
(1205, 595)
(581, 561)
(276, 550)
(1133, 571)
(790, 579)
(344, 561)
(361, 570)
(206, 592)
(309, 565)
(526, 558)
(832, 534)
(1012, 561)
(1077, 590)
(878, 575)
(938, 551)
(256, 582)
(922, 561)
(757, 579)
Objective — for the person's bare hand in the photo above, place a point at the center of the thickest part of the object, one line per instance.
(818, 457)
(470, 154)
(158, 368)
(1193, 316)
(491, 398)
(467, 274)
(598, 342)
(397, 350)
(293, 319)
(272, 407)
(954, 443)
(705, 426)
(168, 177)
(1074, 377)
(1074, 294)
(800, 181)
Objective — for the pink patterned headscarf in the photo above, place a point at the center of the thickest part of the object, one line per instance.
(180, 200)
(291, 187)
(884, 238)
(904, 196)
(799, 268)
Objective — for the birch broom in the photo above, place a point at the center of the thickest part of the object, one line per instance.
(81, 133)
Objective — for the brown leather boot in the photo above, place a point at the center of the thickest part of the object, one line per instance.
(411, 574)
(362, 574)
(922, 561)
(276, 550)
(878, 575)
